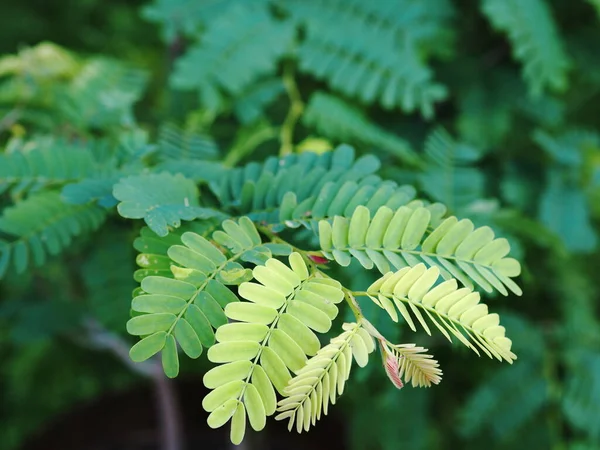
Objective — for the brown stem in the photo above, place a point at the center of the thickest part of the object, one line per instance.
(10, 119)
(169, 416)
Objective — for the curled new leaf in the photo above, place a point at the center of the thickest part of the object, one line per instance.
(411, 363)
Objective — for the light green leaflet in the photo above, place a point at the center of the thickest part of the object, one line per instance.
(413, 292)
(396, 239)
(272, 335)
(323, 377)
(183, 312)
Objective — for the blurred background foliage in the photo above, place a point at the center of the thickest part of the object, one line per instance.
(491, 107)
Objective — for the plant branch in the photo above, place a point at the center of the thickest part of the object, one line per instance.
(168, 412)
(169, 417)
(247, 142)
(286, 134)
(10, 118)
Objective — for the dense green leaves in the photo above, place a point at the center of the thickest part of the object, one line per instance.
(448, 176)
(229, 60)
(334, 118)
(382, 60)
(299, 186)
(40, 226)
(46, 165)
(536, 43)
(254, 88)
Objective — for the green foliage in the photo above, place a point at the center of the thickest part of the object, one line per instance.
(42, 225)
(578, 405)
(334, 118)
(270, 336)
(536, 43)
(45, 166)
(382, 61)
(184, 310)
(175, 144)
(564, 198)
(450, 177)
(49, 87)
(289, 190)
(401, 238)
(316, 179)
(231, 60)
(323, 377)
(447, 307)
(270, 333)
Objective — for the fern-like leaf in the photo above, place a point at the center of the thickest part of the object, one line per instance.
(381, 60)
(189, 154)
(177, 144)
(162, 200)
(401, 238)
(153, 258)
(41, 165)
(581, 400)
(238, 47)
(448, 177)
(323, 378)
(272, 335)
(536, 43)
(449, 308)
(299, 190)
(41, 225)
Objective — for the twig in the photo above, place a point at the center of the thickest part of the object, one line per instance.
(10, 119)
(244, 147)
(168, 412)
(169, 417)
(286, 135)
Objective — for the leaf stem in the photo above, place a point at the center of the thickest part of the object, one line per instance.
(360, 293)
(201, 288)
(286, 134)
(244, 147)
(349, 297)
(167, 403)
(348, 294)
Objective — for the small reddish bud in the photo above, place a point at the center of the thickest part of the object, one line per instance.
(318, 259)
